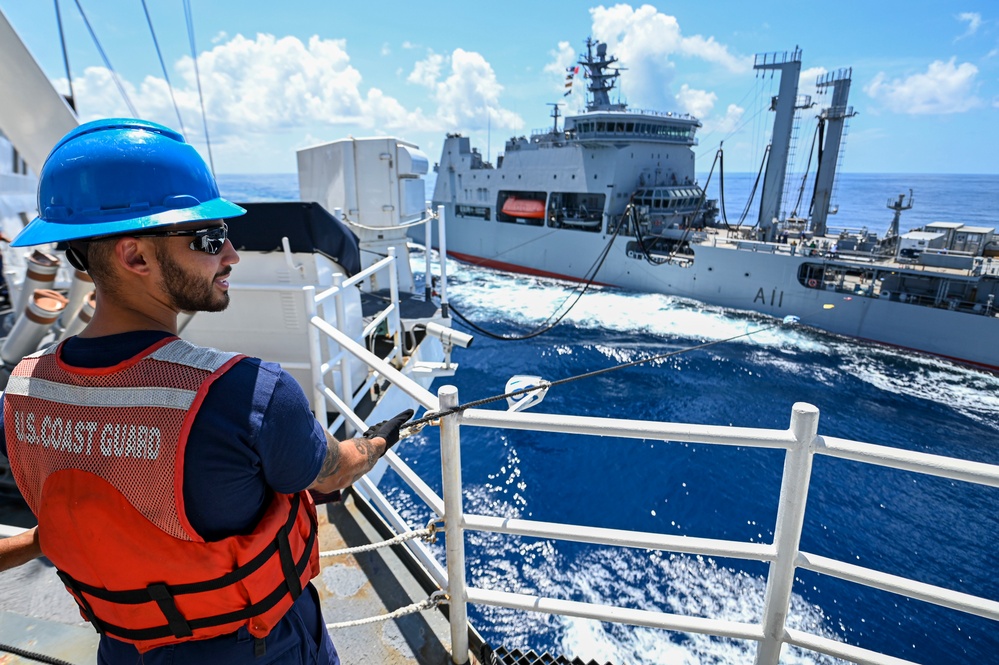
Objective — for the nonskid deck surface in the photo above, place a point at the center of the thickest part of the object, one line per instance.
(38, 615)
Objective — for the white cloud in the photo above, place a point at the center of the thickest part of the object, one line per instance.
(727, 123)
(259, 90)
(268, 83)
(698, 103)
(974, 21)
(807, 79)
(646, 42)
(427, 71)
(97, 96)
(469, 97)
(562, 58)
(255, 91)
(711, 51)
(386, 49)
(945, 87)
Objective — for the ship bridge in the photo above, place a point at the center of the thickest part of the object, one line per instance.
(605, 120)
(673, 128)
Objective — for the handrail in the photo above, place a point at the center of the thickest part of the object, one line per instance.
(909, 460)
(955, 600)
(634, 617)
(801, 443)
(620, 538)
(323, 361)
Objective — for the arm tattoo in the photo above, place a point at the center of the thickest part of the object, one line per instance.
(331, 465)
(370, 452)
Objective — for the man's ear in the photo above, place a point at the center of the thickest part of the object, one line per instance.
(133, 255)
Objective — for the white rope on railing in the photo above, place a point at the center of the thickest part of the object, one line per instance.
(435, 599)
(406, 225)
(428, 534)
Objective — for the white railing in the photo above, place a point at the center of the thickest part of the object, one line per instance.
(326, 359)
(328, 355)
(801, 443)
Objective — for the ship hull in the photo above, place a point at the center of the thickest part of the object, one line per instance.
(765, 281)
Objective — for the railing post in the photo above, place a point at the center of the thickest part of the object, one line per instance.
(787, 534)
(442, 251)
(395, 317)
(428, 234)
(315, 355)
(346, 384)
(453, 519)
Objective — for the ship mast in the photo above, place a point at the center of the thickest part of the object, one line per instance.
(898, 206)
(555, 116)
(833, 120)
(602, 77)
(789, 65)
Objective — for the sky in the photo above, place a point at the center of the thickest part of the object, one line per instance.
(280, 76)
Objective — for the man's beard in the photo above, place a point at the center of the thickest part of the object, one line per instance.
(188, 292)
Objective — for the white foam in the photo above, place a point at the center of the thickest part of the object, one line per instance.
(531, 301)
(974, 394)
(488, 294)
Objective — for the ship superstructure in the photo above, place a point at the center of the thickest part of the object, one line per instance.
(582, 176)
(612, 198)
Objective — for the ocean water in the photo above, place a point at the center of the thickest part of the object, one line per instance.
(940, 532)
(861, 199)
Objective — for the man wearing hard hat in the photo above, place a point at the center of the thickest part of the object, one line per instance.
(169, 480)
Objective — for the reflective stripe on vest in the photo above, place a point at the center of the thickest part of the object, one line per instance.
(127, 424)
(98, 455)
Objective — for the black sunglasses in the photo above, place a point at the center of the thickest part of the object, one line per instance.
(209, 241)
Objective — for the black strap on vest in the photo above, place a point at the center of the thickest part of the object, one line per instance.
(81, 600)
(288, 563)
(175, 620)
(163, 595)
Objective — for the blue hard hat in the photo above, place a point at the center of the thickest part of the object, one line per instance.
(121, 176)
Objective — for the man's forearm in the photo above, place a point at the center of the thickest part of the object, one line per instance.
(346, 461)
(20, 549)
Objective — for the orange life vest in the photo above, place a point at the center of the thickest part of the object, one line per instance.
(99, 454)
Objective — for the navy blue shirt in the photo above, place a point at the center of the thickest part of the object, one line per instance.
(253, 434)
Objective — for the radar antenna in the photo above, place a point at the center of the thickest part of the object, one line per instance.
(555, 115)
(898, 206)
(602, 75)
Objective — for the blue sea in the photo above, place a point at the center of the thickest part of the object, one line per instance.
(940, 532)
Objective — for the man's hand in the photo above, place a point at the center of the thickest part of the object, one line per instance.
(389, 429)
(346, 461)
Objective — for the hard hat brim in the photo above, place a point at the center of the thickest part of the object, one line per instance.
(40, 231)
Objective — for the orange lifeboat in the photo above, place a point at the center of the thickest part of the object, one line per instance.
(524, 208)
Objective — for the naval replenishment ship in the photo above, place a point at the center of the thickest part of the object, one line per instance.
(611, 198)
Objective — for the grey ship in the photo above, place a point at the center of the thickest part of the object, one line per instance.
(611, 197)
